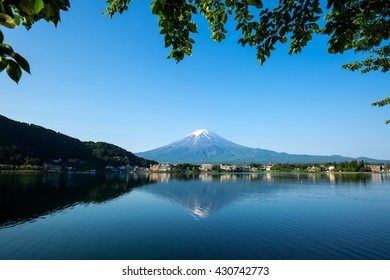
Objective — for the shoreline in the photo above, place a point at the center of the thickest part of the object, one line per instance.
(26, 171)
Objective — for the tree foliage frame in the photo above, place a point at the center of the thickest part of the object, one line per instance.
(362, 26)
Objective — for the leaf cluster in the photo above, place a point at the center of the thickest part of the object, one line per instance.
(175, 22)
(296, 19)
(359, 25)
(116, 6)
(382, 103)
(11, 61)
(25, 12)
(362, 26)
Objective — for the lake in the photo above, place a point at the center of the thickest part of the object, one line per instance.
(226, 216)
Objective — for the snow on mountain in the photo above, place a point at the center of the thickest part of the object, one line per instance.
(198, 132)
(202, 138)
(204, 146)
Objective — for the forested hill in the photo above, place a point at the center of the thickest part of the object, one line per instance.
(22, 143)
(114, 155)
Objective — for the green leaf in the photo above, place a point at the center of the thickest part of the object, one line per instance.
(26, 7)
(6, 49)
(168, 40)
(3, 64)
(17, 19)
(7, 21)
(38, 6)
(224, 18)
(257, 3)
(187, 51)
(13, 70)
(192, 27)
(22, 62)
(382, 103)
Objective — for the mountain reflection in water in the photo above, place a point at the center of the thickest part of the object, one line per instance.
(218, 190)
(195, 216)
(25, 197)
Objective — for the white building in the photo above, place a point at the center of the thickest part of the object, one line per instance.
(206, 167)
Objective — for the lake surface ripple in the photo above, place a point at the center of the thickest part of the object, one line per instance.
(226, 216)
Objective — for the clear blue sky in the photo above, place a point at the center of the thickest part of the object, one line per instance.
(102, 79)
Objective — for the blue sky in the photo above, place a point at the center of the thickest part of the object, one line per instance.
(102, 79)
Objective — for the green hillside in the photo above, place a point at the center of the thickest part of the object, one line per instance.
(22, 143)
(114, 155)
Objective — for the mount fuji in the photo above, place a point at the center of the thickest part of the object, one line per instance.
(204, 146)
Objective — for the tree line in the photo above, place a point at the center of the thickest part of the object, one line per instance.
(23, 145)
(346, 166)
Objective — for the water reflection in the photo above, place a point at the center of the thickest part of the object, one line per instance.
(26, 197)
(206, 193)
(330, 177)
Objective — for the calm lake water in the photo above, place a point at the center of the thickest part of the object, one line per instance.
(246, 216)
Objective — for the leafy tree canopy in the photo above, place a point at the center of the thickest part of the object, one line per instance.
(25, 12)
(362, 26)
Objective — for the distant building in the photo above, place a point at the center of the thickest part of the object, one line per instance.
(124, 168)
(154, 167)
(110, 167)
(206, 167)
(313, 168)
(165, 167)
(73, 160)
(51, 167)
(246, 168)
(268, 167)
(227, 167)
(376, 168)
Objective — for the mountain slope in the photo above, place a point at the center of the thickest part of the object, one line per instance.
(114, 155)
(204, 146)
(22, 143)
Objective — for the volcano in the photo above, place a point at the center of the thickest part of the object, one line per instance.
(204, 146)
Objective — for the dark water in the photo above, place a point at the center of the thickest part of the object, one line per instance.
(247, 216)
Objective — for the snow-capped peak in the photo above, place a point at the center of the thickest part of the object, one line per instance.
(202, 138)
(198, 132)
